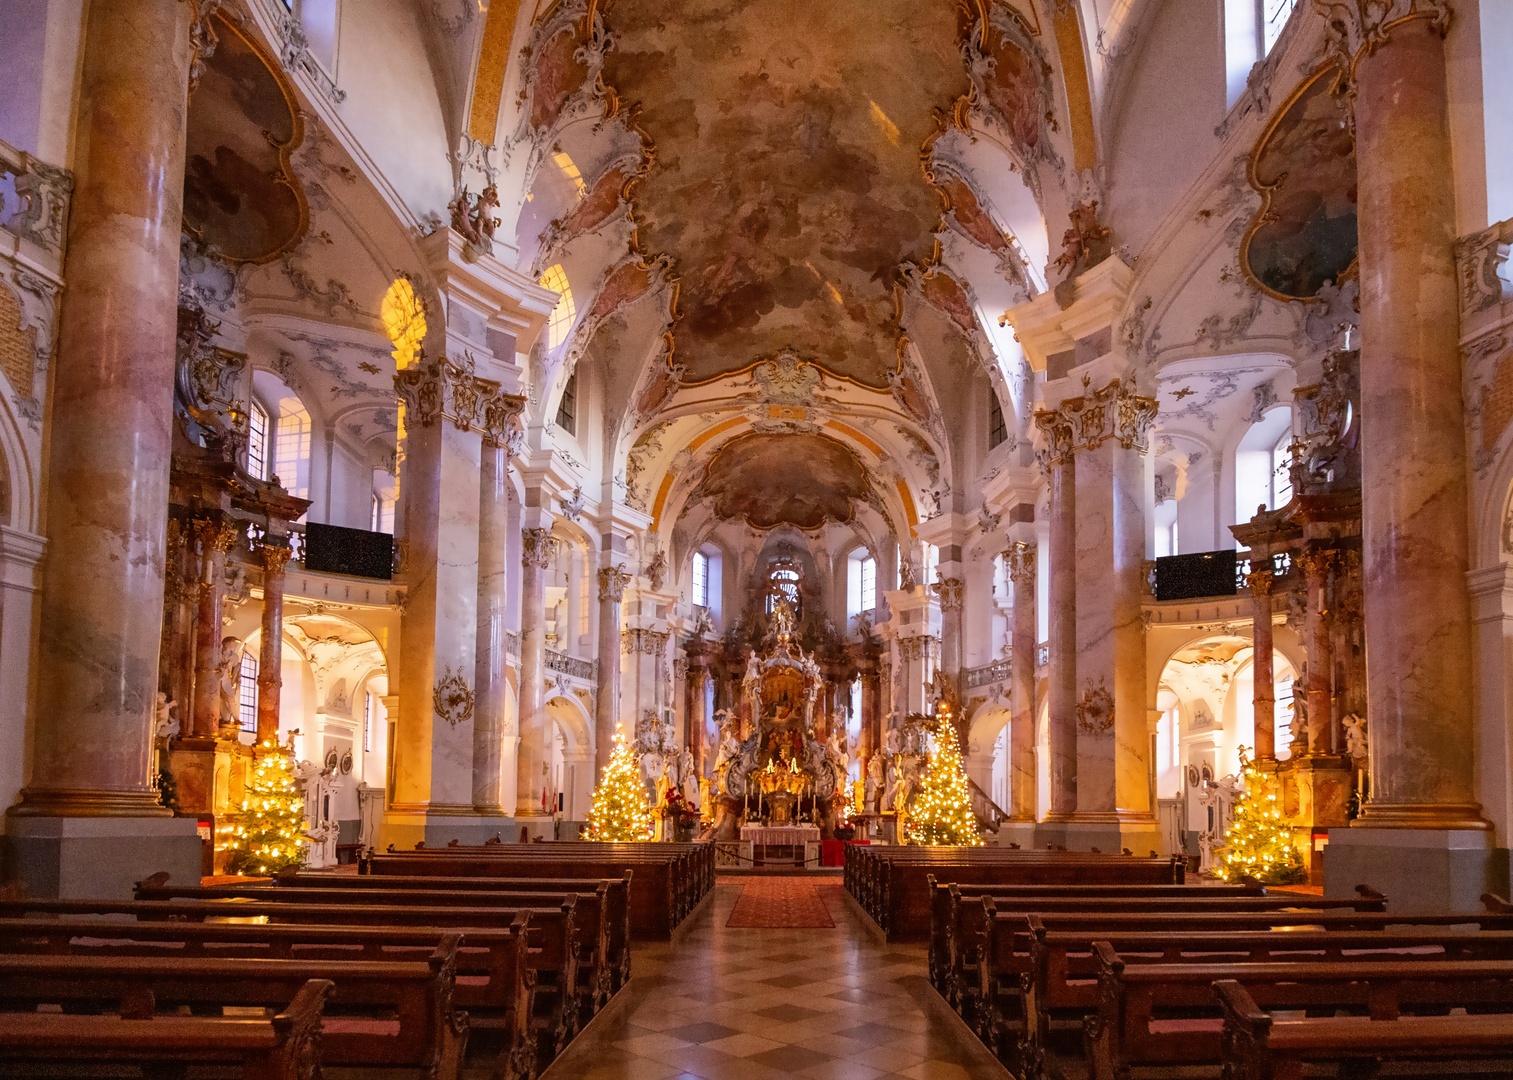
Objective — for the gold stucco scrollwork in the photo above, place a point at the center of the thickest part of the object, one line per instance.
(452, 697)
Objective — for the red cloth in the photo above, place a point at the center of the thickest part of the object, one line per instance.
(832, 853)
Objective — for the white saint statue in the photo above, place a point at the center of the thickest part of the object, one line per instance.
(690, 780)
(890, 793)
(873, 787)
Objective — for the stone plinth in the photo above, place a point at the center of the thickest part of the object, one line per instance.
(1417, 869)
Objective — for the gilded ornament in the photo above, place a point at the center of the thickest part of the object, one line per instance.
(1095, 711)
(452, 697)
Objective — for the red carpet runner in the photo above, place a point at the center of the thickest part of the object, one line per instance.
(772, 903)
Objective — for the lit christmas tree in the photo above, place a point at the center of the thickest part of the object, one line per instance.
(941, 813)
(1258, 842)
(269, 834)
(620, 811)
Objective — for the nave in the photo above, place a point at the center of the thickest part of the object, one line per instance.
(826, 1003)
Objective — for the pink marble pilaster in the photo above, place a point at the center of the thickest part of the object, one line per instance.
(1062, 661)
(538, 550)
(493, 576)
(612, 582)
(1020, 561)
(1264, 695)
(270, 664)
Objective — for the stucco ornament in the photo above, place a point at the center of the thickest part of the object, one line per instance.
(452, 697)
(1095, 711)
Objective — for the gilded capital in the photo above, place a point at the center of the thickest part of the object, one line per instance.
(538, 548)
(612, 582)
(949, 590)
(1019, 562)
(445, 390)
(1261, 580)
(501, 420)
(275, 555)
(1357, 28)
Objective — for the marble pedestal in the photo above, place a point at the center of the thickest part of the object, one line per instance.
(1110, 837)
(1322, 786)
(1013, 832)
(1418, 869)
(405, 830)
(99, 857)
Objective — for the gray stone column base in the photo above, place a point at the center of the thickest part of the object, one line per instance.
(97, 858)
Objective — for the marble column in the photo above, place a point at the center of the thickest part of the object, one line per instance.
(212, 536)
(111, 419)
(1019, 560)
(1317, 639)
(493, 577)
(270, 662)
(1264, 695)
(1415, 513)
(612, 582)
(949, 590)
(696, 718)
(1061, 689)
(538, 552)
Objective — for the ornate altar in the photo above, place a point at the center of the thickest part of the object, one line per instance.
(779, 774)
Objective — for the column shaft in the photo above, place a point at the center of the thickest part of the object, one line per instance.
(1264, 695)
(1020, 560)
(538, 550)
(111, 418)
(1320, 662)
(1415, 527)
(207, 630)
(612, 581)
(489, 676)
(270, 664)
(1062, 689)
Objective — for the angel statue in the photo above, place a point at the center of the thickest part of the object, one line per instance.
(165, 724)
(1355, 736)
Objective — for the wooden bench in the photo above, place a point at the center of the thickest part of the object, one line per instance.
(591, 926)
(1062, 988)
(653, 906)
(957, 918)
(613, 893)
(285, 1047)
(1169, 1014)
(1257, 1046)
(550, 934)
(494, 981)
(385, 1014)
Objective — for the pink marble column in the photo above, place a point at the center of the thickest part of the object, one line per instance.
(1415, 515)
(1020, 563)
(612, 582)
(1061, 691)
(213, 536)
(111, 418)
(489, 676)
(1264, 696)
(538, 550)
(270, 662)
(1317, 639)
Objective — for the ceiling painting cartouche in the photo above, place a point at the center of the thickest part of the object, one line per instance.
(769, 480)
(787, 183)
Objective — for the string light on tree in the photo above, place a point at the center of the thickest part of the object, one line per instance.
(269, 833)
(1258, 842)
(941, 814)
(620, 812)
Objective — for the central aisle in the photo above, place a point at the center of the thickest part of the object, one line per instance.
(720, 1003)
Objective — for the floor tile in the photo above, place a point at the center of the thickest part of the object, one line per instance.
(701, 1032)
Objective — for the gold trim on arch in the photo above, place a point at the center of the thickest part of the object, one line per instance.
(1263, 213)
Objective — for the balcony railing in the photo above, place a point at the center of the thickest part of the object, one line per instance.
(997, 671)
(572, 666)
(1203, 574)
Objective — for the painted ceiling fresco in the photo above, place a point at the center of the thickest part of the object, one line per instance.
(786, 183)
(1305, 232)
(774, 479)
(240, 195)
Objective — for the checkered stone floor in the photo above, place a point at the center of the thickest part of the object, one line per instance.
(755, 1004)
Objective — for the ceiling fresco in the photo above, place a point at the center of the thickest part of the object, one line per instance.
(240, 194)
(786, 181)
(774, 479)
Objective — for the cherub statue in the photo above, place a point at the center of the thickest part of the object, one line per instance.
(165, 724)
(656, 570)
(1355, 736)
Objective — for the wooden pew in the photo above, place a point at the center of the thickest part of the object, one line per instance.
(285, 1047)
(957, 915)
(591, 923)
(552, 956)
(495, 983)
(1258, 1047)
(385, 1014)
(1062, 986)
(1169, 1014)
(615, 893)
(653, 907)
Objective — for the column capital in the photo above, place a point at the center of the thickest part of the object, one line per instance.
(1261, 580)
(949, 590)
(433, 390)
(214, 530)
(275, 555)
(538, 548)
(612, 582)
(1019, 561)
(1357, 28)
(1087, 422)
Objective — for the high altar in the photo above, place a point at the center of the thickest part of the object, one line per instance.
(775, 772)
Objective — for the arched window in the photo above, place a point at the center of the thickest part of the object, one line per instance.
(567, 408)
(291, 447)
(706, 582)
(257, 442)
(998, 428)
(861, 583)
(561, 321)
(1251, 29)
(247, 702)
(1262, 476)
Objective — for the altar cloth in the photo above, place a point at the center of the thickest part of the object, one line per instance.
(790, 835)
